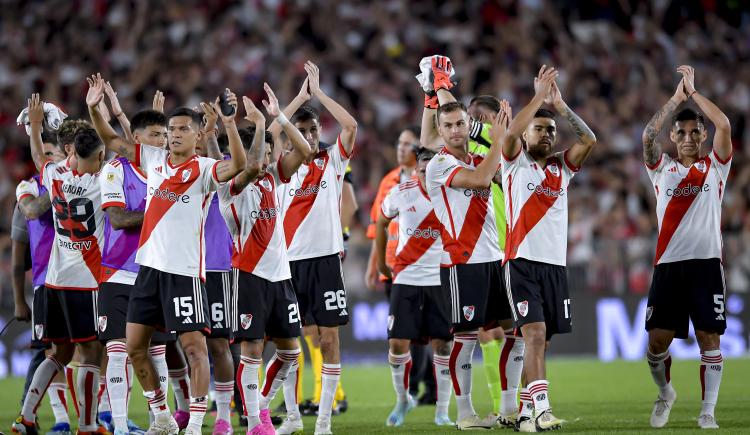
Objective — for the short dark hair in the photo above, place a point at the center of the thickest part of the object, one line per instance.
(190, 113)
(48, 137)
(86, 142)
(147, 118)
(414, 129)
(451, 107)
(305, 113)
(424, 153)
(247, 135)
(67, 132)
(688, 114)
(223, 142)
(491, 102)
(544, 113)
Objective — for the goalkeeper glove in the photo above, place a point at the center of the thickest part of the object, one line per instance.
(441, 73)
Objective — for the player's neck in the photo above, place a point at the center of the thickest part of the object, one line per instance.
(460, 152)
(176, 159)
(687, 160)
(408, 170)
(88, 166)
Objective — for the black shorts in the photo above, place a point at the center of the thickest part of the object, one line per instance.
(538, 292)
(114, 299)
(417, 313)
(70, 316)
(319, 284)
(687, 290)
(219, 293)
(38, 308)
(169, 301)
(475, 294)
(263, 308)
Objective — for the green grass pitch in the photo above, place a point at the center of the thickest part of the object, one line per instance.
(594, 397)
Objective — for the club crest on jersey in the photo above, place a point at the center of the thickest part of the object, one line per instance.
(523, 308)
(102, 323)
(391, 319)
(264, 183)
(246, 320)
(649, 312)
(39, 330)
(554, 170)
(186, 174)
(701, 166)
(319, 162)
(111, 177)
(468, 312)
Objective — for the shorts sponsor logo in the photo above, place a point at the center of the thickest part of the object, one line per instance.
(523, 308)
(187, 320)
(102, 323)
(649, 312)
(445, 372)
(186, 174)
(39, 331)
(391, 318)
(469, 312)
(246, 320)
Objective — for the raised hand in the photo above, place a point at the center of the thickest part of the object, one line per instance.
(544, 80)
(210, 116)
(113, 101)
(253, 114)
(158, 103)
(304, 92)
(232, 100)
(313, 77)
(96, 90)
(272, 104)
(688, 79)
(500, 122)
(36, 109)
(554, 97)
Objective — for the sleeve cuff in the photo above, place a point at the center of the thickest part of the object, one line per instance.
(386, 216)
(113, 204)
(723, 161)
(233, 188)
(213, 171)
(282, 176)
(450, 177)
(343, 152)
(25, 195)
(41, 171)
(569, 164)
(509, 158)
(655, 165)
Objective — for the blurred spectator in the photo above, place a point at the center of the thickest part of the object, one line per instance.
(617, 62)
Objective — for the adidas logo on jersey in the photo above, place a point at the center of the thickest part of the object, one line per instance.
(720, 317)
(159, 169)
(673, 169)
(412, 209)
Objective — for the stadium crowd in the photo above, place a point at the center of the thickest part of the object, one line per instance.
(616, 64)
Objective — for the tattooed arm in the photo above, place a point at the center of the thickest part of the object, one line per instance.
(577, 153)
(122, 219)
(651, 148)
(33, 207)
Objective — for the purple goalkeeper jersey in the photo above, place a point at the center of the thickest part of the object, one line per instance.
(41, 236)
(120, 246)
(218, 240)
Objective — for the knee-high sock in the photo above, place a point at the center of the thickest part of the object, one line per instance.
(198, 407)
(87, 381)
(117, 383)
(298, 394)
(38, 358)
(490, 361)
(511, 366)
(247, 379)
(316, 363)
(330, 379)
(103, 395)
(400, 371)
(224, 391)
(443, 381)
(158, 356)
(291, 389)
(526, 407)
(70, 378)
(712, 366)
(539, 391)
(157, 403)
(660, 365)
(39, 385)
(58, 401)
(276, 373)
(460, 369)
(180, 381)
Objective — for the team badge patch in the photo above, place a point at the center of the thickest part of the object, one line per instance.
(469, 312)
(246, 320)
(554, 170)
(264, 183)
(39, 330)
(102, 323)
(186, 174)
(319, 162)
(523, 308)
(111, 177)
(649, 312)
(701, 166)
(391, 319)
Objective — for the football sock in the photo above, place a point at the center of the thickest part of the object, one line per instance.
(712, 366)
(157, 402)
(158, 356)
(69, 377)
(103, 395)
(39, 384)
(58, 402)
(198, 406)
(291, 389)
(400, 368)
(247, 379)
(276, 373)
(298, 394)
(490, 361)
(443, 382)
(87, 381)
(180, 381)
(539, 395)
(330, 377)
(460, 369)
(116, 378)
(660, 365)
(224, 391)
(511, 366)
(526, 408)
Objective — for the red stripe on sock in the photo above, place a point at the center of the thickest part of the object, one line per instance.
(273, 370)
(703, 382)
(72, 389)
(407, 370)
(88, 399)
(667, 367)
(504, 354)
(457, 345)
(240, 369)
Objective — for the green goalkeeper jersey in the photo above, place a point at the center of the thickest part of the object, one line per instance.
(479, 143)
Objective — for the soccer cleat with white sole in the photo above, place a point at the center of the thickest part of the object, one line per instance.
(323, 426)
(292, 424)
(660, 413)
(546, 421)
(707, 421)
(504, 421)
(168, 427)
(398, 415)
(474, 422)
(525, 424)
(443, 420)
